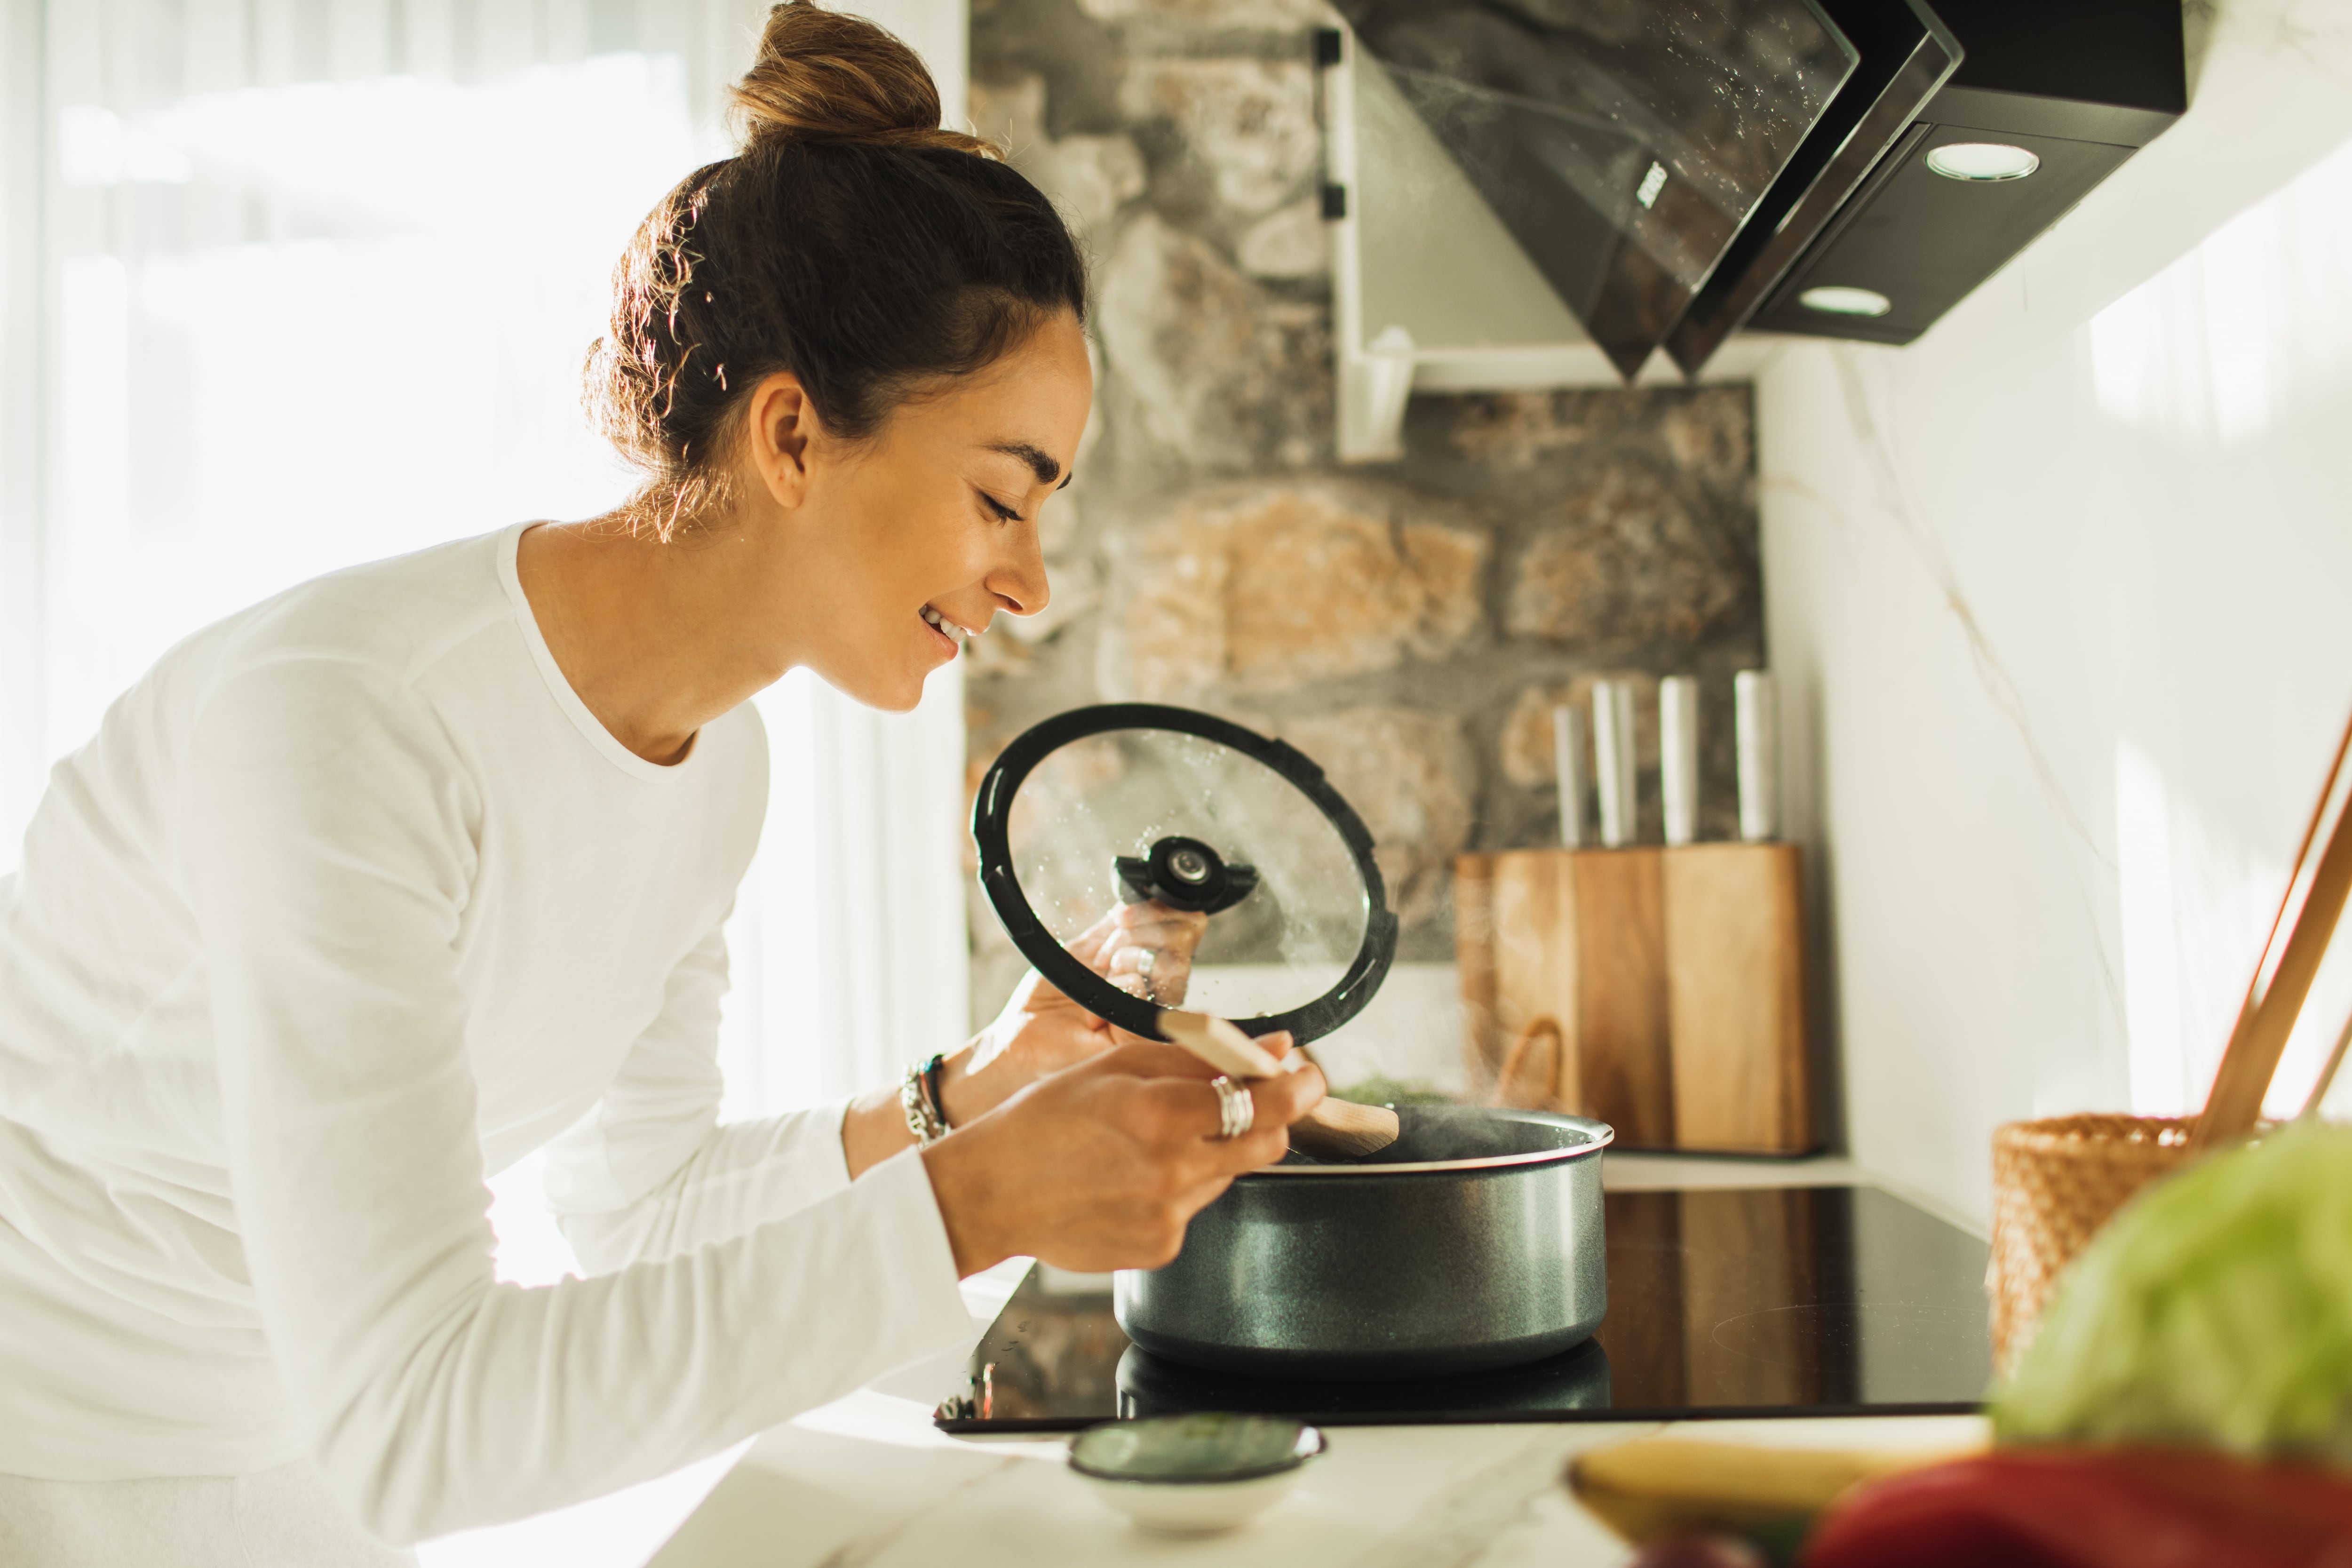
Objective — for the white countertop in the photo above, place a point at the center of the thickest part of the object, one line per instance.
(869, 1481)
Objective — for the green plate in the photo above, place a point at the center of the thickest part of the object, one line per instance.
(1206, 1446)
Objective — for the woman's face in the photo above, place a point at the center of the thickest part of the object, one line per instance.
(897, 547)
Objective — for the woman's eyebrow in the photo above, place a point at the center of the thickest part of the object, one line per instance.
(1046, 469)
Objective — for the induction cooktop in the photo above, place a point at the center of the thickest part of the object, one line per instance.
(1835, 1300)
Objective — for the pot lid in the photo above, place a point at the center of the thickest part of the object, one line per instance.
(1131, 801)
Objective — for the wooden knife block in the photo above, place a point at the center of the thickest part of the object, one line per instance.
(1659, 989)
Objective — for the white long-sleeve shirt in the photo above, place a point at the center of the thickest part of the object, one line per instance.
(349, 902)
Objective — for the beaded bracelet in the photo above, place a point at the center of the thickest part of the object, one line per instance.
(918, 1097)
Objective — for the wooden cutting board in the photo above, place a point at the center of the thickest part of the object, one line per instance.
(1675, 977)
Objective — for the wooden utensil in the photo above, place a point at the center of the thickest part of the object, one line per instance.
(1219, 1043)
(1335, 1128)
(2326, 1077)
(1343, 1130)
(2283, 980)
(2057, 1180)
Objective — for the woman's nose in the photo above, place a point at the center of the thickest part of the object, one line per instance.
(1019, 583)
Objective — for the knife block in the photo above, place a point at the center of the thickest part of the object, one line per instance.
(1659, 989)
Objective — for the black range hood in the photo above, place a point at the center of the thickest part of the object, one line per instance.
(1906, 55)
(1851, 168)
(1623, 142)
(2064, 93)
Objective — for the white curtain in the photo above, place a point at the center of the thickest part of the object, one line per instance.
(293, 284)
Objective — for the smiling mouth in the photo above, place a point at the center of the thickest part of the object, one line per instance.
(944, 626)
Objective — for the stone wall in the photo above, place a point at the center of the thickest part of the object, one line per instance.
(1408, 624)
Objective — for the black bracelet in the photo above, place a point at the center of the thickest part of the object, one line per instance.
(932, 1071)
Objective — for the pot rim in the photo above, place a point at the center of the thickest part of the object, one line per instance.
(1600, 1133)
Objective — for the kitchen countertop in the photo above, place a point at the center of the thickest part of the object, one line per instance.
(869, 1480)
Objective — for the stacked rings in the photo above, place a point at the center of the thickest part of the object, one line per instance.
(1236, 1109)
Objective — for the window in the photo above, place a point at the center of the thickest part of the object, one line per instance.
(289, 288)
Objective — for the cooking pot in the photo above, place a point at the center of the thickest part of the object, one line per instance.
(1473, 1242)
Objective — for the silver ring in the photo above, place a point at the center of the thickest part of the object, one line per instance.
(1236, 1109)
(1144, 960)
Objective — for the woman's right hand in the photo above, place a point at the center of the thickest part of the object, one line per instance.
(1100, 1166)
(1041, 1031)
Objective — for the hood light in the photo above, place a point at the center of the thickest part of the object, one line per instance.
(1982, 160)
(1833, 301)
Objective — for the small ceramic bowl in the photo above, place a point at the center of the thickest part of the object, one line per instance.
(1197, 1474)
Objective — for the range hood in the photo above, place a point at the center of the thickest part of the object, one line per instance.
(1531, 193)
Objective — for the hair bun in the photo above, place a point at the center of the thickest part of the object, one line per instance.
(823, 77)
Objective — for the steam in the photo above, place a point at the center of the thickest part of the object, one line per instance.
(1434, 1132)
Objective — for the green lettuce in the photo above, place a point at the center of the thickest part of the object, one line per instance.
(2215, 1309)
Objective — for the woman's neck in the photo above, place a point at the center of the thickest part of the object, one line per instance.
(649, 636)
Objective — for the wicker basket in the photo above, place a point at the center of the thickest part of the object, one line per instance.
(2054, 1183)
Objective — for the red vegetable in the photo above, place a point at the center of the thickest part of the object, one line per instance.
(2093, 1509)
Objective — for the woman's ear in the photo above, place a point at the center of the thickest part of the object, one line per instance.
(779, 430)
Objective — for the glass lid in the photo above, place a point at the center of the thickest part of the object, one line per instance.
(1131, 802)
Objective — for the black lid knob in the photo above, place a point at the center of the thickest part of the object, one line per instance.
(1186, 874)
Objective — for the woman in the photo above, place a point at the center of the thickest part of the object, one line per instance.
(389, 880)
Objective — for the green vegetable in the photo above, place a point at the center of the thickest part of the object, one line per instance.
(2215, 1309)
(1395, 1091)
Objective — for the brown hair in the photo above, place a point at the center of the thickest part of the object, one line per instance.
(853, 242)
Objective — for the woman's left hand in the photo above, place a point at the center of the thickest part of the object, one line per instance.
(1144, 949)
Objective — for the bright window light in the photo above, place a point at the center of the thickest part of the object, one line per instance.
(95, 148)
(2231, 339)
(360, 333)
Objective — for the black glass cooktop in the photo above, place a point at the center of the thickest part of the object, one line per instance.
(1756, 1302)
